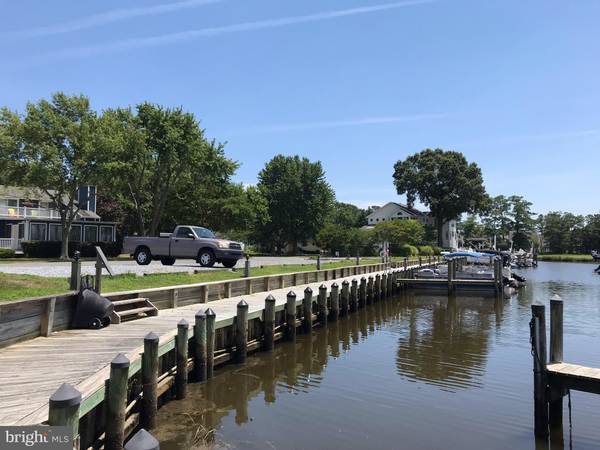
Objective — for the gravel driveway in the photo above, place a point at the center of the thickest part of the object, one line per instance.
(63, 269)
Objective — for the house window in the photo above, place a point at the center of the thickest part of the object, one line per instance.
(91, 233)
(75, 234)
(106, 234)
(30, 203)
(37, 232)
(54, 232)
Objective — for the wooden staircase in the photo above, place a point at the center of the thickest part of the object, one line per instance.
(132, 309)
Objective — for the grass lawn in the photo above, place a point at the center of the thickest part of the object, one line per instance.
(566, 258)
(16, 287)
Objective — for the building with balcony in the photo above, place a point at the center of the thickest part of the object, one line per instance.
(397, 211)
(28, 214)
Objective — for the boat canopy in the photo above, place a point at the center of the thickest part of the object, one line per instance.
(468, 255)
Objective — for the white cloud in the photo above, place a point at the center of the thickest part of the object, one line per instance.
(335, 123)
(182, 36)
(104, 18)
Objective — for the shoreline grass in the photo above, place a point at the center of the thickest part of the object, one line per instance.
(566, 258)
(18, 287)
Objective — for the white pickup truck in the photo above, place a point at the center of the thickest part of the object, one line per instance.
(186, 241)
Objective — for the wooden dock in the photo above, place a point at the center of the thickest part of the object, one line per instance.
(33, 370)
(553, 378)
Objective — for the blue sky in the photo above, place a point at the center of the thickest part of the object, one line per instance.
(357, 84)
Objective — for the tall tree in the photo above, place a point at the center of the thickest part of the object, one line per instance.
(444, 181)
(298, 199)
(522, 221)
(164, 162)
(347, 215)
(57, 146)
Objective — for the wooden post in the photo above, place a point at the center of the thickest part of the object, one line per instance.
(538, 343)
(384, 285)
(210, 342)
(377, 287)
(335, 302)
(290, 316)
(116, 403)
(64, 410)
(405, 264)
(390, 284)
(142, 440)
(556, 356)
(498, 277)
(181, 377)
(247, 267)
(319, 261)
(150, 381)
(200, 346)
(345, 298)
(450, 276)
(357, 258)
(322, 305)
(269, 321)
(354, 295)
(241, 332)
(307, 322)
(75, 282)
(174, 298)
(227, 290)
(370, 290)
(99, 266)
(47, 320)
(362, 294)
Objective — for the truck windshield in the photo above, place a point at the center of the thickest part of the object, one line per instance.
(204, 233)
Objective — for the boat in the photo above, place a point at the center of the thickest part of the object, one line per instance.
(596, 255)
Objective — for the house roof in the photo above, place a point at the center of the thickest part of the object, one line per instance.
(406, 208)
(24, 192)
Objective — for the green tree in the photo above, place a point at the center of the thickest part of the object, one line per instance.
(400, 232)
(334, 237)
(347, 215)
(57, 146)
(562, 232)
(522, 221)
(298, 199)
(442, 180)
(166, 172)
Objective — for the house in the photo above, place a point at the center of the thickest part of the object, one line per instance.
(28, 214)
(397, 211)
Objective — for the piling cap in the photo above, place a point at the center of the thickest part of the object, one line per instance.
(322, 287)
(65, 396)
(345, 282)
(308, 290)
(335, 285)
(270, 299)
(209, 312)
(242, 304)
(151, 337)
(377, 276)
(183, 324)
(291, 294)
(201, 314)
(556, 298)
(120, 362)
(142, 440)
(363, 278)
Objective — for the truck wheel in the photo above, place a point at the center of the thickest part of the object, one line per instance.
(206, 257)
(167, 261)
(229, 263)
(143, 256)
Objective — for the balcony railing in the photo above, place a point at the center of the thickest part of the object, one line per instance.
(23, 212)
(10, 243)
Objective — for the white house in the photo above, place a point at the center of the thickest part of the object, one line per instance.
(397, 211)
(29, 214)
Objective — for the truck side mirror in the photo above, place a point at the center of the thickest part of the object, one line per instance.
(191, 236)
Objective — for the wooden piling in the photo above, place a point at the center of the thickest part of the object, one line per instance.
(362, 294)
(370, 290)
(451, 265)
(384, 285)
(269, 321)
(322, 305)
(334, 298)
(307, 322)
(345, 303)
(181, 377)
(354, 295)
(241, 332)
(149, 381)
(200, 346)
(556, 356)
(210, 342)
(377, 287)
(116, 403)
(63, 410)
(290, 316)
(538, 343)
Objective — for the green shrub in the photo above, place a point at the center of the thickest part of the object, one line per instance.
(426, 250)
(436, 250)
(7, 253)
(51, 249)
(408, 250)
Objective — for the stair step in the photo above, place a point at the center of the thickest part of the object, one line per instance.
(131, 312)
(128, 301)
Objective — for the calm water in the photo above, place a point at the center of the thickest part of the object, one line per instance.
(414, 372)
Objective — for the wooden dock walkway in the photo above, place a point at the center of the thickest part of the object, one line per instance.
(31, 371)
